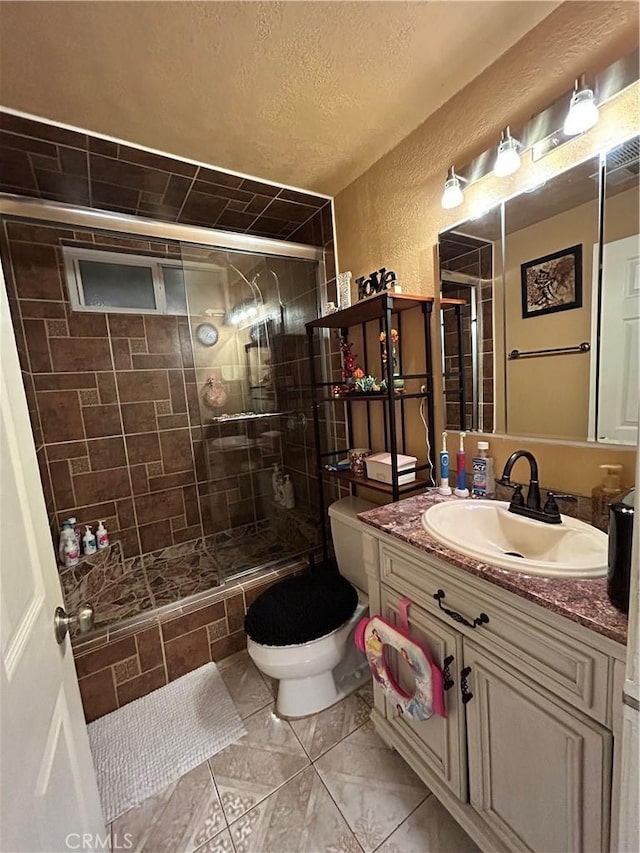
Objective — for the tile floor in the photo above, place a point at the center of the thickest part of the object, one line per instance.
(326, 784)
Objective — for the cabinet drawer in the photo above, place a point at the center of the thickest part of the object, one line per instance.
(562, 664)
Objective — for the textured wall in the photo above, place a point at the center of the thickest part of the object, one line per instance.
(303, 93)
(391, 215)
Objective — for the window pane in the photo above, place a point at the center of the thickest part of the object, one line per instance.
(174, 290)
(107, 285)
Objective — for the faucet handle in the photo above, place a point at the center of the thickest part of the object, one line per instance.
(560, 497)
(551, 507)
(517, 499)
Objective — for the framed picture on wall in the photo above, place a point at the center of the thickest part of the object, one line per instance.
(552, 283)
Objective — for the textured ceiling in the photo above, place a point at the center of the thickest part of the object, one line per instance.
(308, 94)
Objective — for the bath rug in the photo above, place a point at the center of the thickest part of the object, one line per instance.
(146, 745)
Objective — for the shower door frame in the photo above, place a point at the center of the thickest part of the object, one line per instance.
(104, 220)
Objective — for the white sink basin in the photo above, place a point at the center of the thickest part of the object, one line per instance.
(488, 532)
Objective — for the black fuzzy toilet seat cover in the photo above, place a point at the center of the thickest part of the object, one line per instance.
(300, 609)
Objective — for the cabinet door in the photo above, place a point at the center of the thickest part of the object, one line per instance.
(539, 773)
(439, 741)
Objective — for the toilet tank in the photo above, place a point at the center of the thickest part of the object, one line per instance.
(346, 532)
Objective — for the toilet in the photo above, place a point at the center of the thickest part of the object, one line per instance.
(314, 675)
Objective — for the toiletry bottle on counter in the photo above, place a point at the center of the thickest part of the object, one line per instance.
(484, 484)
(89, 545)
(102, 536)
(603, 494)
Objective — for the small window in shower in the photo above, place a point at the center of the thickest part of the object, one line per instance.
(119, 282)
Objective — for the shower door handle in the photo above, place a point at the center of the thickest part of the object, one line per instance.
(62, 622)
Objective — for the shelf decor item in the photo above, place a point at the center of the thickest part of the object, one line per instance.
(343, 285)
(357, 458)
(377, 282)
(348, 361)
(398, 384)
(366, 385)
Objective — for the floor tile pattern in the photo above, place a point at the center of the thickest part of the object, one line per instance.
(264, 759)
(183, 817)
(268, 793)
(299, 816)
(372, 785)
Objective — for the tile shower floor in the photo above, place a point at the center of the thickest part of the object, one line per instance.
(120, 592)
(326, 784)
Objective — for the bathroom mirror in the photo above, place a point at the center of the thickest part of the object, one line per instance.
(550, 378)
(470, 262)
(551, 240)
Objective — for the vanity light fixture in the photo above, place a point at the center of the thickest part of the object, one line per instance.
(452, 195)
(241, 313)
(508, 159)
(583, 112)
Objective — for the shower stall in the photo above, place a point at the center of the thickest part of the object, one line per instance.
(167, 377)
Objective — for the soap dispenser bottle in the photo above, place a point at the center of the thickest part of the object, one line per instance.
(603, 494)
(289, 497)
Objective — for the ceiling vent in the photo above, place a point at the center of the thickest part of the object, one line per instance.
(623, 162)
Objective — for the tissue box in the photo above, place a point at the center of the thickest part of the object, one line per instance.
(379, 468)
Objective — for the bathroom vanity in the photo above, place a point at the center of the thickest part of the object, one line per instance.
(527, 756)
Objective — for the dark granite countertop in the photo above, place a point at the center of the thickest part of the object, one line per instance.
(582, 601)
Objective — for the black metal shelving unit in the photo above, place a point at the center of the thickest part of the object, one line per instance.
(381, 309)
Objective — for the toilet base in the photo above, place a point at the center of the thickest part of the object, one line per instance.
(302, 697)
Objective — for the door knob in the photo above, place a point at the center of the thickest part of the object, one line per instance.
(62, 622)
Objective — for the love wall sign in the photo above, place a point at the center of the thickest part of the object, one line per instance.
(376, 282)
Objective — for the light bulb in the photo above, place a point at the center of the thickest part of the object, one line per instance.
(452, 195)
(583, 112)
(508, 159)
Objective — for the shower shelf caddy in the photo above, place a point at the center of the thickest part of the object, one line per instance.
(386, 310)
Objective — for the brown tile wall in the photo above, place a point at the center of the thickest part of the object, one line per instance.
(123, 665)
(41, 160)
(115, 405)
(119, 392)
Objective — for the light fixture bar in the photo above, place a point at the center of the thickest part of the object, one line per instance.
(452, 195)
(507, 158)
(583, 111)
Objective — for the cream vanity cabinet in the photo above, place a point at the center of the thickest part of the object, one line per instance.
(524, 757)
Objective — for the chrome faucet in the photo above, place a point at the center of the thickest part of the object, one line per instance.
(532, 507)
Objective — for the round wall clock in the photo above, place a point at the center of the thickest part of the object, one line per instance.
(207, 334)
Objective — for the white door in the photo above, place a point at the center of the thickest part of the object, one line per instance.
(48, 795)
(619, 342)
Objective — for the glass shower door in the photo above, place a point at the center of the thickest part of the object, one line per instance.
(249, 388)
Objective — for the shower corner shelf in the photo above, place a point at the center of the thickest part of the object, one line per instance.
(380, 309)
